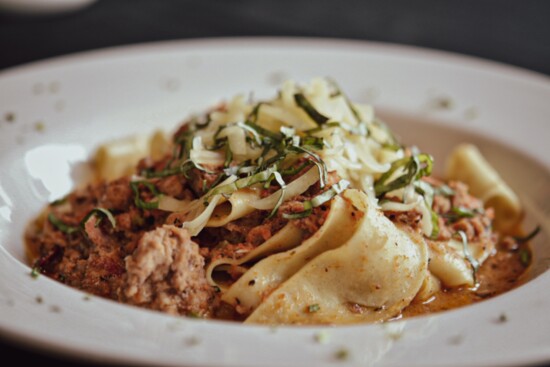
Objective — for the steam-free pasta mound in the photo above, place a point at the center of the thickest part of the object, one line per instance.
(302, 209)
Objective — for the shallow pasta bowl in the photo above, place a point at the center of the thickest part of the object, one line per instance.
(53, 114)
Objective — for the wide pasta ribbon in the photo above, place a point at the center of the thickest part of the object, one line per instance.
(371, 277)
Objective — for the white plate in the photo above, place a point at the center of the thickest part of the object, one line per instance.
(64, 107)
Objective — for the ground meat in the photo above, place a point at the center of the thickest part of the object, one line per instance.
(409, 218)
(237, 238)
(311, 223)
(142, 260)
(92, 258)
(104, 266)
(462, 198)
(166, 273)
(174, 186)
(441, 204)
(201, 181)
(477, 227)
(116, 195)
(263, 232)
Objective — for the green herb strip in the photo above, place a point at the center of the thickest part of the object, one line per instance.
(468, 255)
(529, 237)
(308, 209)
(35, 272)
(327, 125)
(282, 184)
(445, 191)
(321, 166)
(137, 198)
(318, 200)
(182, 169)
(68, 229)
(291, 171)
(60, 201)
(435, 225)
(63, 227)
(308, 108)
(458, 212)
(414, 168)
(242, 183)
(183, 144)
(426, 190)
(100, 212)
(313, 308)
(393, 140)
(273, 136)
(525, 257)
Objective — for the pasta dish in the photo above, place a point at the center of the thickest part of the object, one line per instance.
(301, 209)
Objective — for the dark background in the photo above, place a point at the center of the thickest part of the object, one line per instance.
(513, 32)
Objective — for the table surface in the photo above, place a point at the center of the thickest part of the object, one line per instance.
(512, 32)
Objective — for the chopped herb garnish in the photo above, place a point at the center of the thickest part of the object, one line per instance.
(443, 102)
(228, 156)
(100, 212)
(182, 169)
(279, 179)
(342, 354)
(468, 255)
(60, 201)
(316, 160)
(327, 125)
(457, 212)
(502, 318)
(253, 116)
(291, 171)
(392, 146)
(68, 229)
(435, 225)
(39, 126)
(529, 237)
(308, 209)
(318, 200)
(462, 212)
(192, 340)
(313, 308)
(322, 337)
(456, 339)
(445, 191)
(525, 257)
(10, 117)
(267, 135)
(137, 197)
(63, 227)
(313, 141)
(413, 168)
(304, 104)
(35, 272)
(392, 138)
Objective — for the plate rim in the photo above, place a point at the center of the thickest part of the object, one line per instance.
(487, 65)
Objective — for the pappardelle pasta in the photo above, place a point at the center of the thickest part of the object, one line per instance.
(302, 209)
